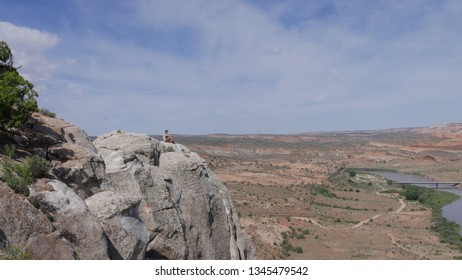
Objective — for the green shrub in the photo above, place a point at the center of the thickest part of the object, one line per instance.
(13, 252)
(322, 190)
(47, 113)
(38, 166)
(412, 193)
(285, 244)
(10, 150)
(298, 250)
(18, 176)
(352, 172)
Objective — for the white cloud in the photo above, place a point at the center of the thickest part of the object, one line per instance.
(75, 90)
(29, 47)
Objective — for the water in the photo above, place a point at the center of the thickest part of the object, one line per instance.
(451, 211)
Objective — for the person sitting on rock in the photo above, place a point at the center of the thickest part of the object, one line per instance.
(168, 138)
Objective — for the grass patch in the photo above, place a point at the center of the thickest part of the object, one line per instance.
(14, 252)
(322, 190)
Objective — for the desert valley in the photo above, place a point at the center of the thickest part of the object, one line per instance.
(306, 196)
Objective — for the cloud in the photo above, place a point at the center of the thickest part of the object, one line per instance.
(29, 47)
(235, 67)
(241, 48)
(254, 66)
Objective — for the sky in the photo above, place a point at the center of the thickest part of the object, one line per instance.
(240, 66)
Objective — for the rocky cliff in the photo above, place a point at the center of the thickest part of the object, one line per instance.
(122, 196)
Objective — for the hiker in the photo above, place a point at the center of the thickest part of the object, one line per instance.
(168, 138)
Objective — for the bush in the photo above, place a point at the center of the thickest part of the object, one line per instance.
(13, 252)
(411, 193)
(10, 150)
(18, 176)
(352, 173)
(322, 190)
(47, 113)
(297, 250)
(38, 166)
(286, 246)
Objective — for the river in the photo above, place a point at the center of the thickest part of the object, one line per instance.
(451, 211)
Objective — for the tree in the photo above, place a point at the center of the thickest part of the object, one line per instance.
(412, 193)
(17, 95)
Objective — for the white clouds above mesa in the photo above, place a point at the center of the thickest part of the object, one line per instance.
(250, 66)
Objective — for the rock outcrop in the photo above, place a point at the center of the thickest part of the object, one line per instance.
(122, 196)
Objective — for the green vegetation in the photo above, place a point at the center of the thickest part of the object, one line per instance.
(298, 233)
(352, 173)
(38, 166)
(286, 246)
(448, 232)
(347, 207)
(17, 95)
(341, 179)
(412, 193)
(322, 190)
(13, 252)
(389, 191)
(429, 197)
(18, 176)
(47, 113)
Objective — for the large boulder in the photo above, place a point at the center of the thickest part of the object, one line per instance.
(19, 219)
(71, 152)
(72, 219)
(186, 210)
(118, 214)
(118, 148)
(50, 246)
(79, 167)
(207, 210)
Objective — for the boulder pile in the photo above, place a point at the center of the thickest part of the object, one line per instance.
(121, 196)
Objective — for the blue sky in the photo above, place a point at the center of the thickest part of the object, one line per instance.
(249, 66)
